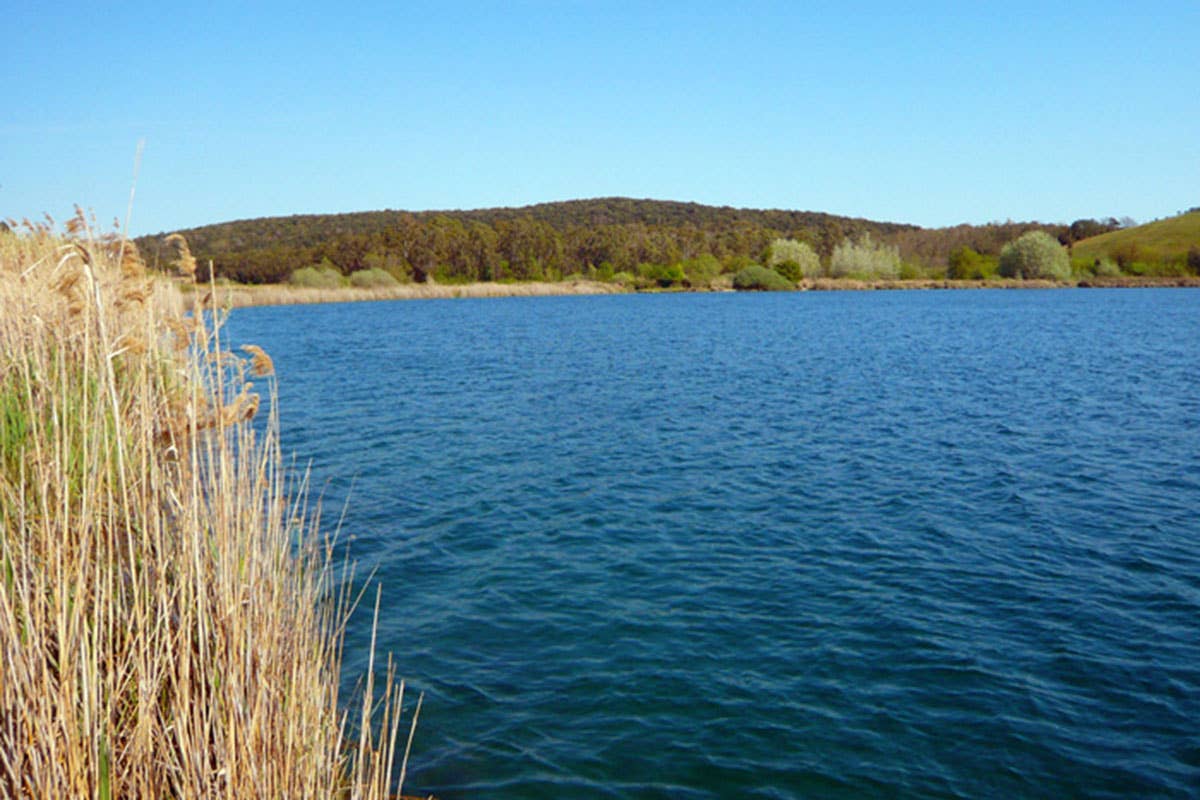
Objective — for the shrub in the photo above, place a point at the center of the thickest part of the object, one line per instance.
(964, 264)
(390, 263)
(759, 278)
(1035, 254)
(1127, 254)
(793, 260)
(446, 274)
(1193, 260)
(372, 279)
(317, 276)
(1105, 268)
(662, 275)
(702, 270)
(864, 259)
(736, 263)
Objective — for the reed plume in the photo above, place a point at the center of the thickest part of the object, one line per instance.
(169, 625)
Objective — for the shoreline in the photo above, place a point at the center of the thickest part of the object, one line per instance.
(277, 294)
(244, 296)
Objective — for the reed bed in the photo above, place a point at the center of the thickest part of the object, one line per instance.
(236, 296)
(279, 294)
(170, 622)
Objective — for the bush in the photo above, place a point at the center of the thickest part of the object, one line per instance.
(1105, 268)
(736, 263)
(965, 264)
(372, 279)
(793, 260)
(759, 278)
(317, 276)
(390, 263)
(1127, 254)
(1035, 254)
(702, 270)
(1193, 260)
(662, 275)
(864, 259)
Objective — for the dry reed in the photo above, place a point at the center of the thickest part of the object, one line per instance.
(169, 625)
(235, 296)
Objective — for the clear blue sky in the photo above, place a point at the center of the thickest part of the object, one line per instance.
(929, 112)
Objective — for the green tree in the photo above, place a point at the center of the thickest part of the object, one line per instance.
(758, 278)
(1193, 260)
(701, 270)
(864, 258)
(663, 275)
(1086, 228)
(1036, 254)
(964, 264)
(793, 260)
(390, 263)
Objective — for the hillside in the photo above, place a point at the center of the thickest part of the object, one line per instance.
(1165, 240)
(546, 241)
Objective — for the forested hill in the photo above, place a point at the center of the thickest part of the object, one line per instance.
(626, 211)
(548, 240)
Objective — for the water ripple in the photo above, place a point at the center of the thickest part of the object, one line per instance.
(837, 545)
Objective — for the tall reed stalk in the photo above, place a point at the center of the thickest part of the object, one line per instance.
(169, 625)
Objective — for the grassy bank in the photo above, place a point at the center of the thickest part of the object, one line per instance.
(166, 621)
(1156, 245)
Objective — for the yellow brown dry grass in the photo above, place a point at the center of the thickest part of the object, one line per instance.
(169, 622)
(234, 296)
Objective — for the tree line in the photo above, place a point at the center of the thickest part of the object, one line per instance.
(587, 238)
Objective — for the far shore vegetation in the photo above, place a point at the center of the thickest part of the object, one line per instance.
(624, 245)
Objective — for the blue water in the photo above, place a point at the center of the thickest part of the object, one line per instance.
(892, 544)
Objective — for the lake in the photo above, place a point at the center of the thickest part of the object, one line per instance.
(839, 544)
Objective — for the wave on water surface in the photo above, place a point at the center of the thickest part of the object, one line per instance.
(801, 545)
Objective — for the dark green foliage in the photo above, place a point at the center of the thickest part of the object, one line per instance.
(702, 270)
(964, 264)
(661, 275)
(790, 270)
(759, 278)
(738, 263)
(1086, 228)
(1193, 260)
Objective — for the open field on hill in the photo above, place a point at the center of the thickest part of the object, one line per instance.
(1163, 240)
